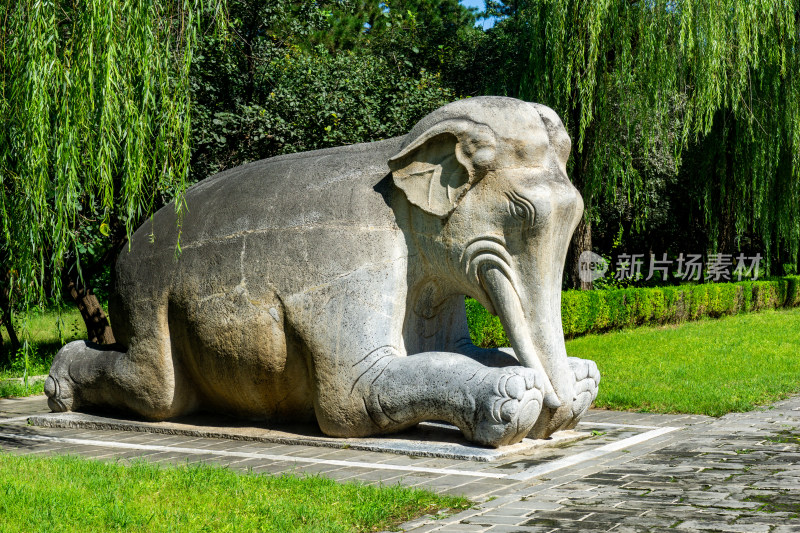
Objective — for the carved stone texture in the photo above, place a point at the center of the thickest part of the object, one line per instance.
(330, 285)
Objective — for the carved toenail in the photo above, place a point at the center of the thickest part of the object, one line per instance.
(50, 387)
(515, 387)
(509, 409)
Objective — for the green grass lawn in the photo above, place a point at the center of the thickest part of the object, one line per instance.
(44, 333)
(16, 389)
(710, 367)
(74, 494)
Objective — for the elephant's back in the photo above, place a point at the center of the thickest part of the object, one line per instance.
(291, 210)
(330, 186)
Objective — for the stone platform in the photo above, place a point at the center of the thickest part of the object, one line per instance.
(427, 439)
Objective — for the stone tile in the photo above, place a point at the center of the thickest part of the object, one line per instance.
(567, 513)
(275, 468)
(463, 528)
(697, 525)
(786, 529)
(529, 506)
(492, 519)
(518, 529)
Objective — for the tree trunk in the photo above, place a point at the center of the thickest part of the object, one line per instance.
(726, 235)
(9, 325)
(94, 317)
(6, 320)
(582, 238)
(581, 242)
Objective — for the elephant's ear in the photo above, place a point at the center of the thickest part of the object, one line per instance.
(440, 165)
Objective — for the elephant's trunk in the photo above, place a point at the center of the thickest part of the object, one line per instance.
(535, 332)
(524, 291)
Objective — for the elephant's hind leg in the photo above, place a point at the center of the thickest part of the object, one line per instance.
(143, 380)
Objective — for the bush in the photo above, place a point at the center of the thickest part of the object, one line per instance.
(597, 311)
(485, 329)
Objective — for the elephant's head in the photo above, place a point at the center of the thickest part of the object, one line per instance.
(496, 212)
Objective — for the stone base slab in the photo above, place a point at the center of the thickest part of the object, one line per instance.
(428, 439)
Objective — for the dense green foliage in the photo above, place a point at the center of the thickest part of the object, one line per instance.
(709, 367)
(75, 494)
(371, 102)
(95, 107)
(287, 79)
(684, 114)
(641, 84)
(597, 311)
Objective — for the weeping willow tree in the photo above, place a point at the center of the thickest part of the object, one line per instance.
(633, 77)
(94, 100)
(742, 65)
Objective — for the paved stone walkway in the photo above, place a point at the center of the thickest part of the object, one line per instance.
(639, 472)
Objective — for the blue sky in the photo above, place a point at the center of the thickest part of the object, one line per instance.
(480, 4)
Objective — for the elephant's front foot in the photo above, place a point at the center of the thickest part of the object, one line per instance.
(587, 381)
(60, 387)
(507, 404)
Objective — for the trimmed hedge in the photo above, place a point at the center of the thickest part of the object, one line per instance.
(596, 311)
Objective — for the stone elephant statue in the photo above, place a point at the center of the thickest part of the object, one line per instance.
(330, 285)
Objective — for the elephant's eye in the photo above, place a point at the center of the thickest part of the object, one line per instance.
(520, 208)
